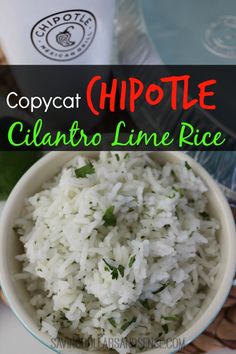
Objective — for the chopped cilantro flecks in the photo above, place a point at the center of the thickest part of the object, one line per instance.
(131, 261)
(127, 324)
(84, 171)
(126, 156)
(109, 217)
(114, 274)
(121, 269)
(204, 215)
(117, 157)
(187, 165)
(161, 289)
(173, 174)
(114, 270)
(179, 190)
(108, 265)
(63, 316)
(165, 328)
(112, 321)
(170, 318)
(145, 304)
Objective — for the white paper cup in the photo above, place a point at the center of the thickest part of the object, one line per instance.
(57, 31)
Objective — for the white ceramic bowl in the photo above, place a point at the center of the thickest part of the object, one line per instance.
(10, 246)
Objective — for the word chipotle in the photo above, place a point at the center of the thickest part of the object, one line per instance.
(127, 93)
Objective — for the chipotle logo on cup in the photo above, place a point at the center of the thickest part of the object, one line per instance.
(65, 35)
(61, 32)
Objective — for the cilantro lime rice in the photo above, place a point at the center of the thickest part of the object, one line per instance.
(120, 247)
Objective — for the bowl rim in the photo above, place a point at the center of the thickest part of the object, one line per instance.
(195, 329)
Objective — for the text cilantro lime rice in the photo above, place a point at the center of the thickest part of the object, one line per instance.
(118, 247)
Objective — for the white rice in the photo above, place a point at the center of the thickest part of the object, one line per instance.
(163, 241)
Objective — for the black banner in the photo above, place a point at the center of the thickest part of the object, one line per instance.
(117, 108)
